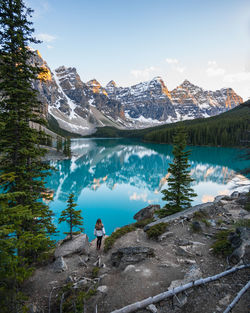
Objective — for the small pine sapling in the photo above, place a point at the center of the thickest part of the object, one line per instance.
(72, 216)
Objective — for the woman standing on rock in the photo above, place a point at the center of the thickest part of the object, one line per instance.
(99, 232)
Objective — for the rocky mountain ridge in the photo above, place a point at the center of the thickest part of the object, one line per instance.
(80, 107)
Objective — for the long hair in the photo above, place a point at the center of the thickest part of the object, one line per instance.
(99, 224)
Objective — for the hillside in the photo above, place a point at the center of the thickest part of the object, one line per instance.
(227, 129)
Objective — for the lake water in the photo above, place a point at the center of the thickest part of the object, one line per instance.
(112, 179)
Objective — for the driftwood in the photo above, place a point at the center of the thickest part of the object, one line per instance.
(237, 298)
(170, 293)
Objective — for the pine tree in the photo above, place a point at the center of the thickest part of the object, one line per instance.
(179, 193)
(71, 216)
(59, 143)
(67, 147)
(25, 221)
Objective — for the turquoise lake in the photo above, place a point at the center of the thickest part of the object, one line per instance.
(112, 179)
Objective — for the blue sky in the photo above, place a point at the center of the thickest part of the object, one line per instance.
(206, 42)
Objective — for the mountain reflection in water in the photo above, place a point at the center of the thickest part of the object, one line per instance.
(114, 178)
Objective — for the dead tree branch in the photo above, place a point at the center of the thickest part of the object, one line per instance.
(237, 298)
(170, 293)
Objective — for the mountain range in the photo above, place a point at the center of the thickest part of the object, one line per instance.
(80, 107)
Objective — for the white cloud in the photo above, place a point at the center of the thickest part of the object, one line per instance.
(180, 69)
(46, 37)
(172, 61)
(214, 70)
(50, 47)
(145, 73)
(207, 198)
(237, 77)
(136, 197)
(175, 65)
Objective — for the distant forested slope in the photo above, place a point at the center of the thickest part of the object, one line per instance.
(227, 129)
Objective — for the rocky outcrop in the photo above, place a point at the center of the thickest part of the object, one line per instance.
(240, 241)
(130, 255)
(79, 244)
(60, 265)
(147, 212)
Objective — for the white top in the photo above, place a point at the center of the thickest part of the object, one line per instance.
(99, 232)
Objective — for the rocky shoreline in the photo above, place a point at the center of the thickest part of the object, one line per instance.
(137, 267)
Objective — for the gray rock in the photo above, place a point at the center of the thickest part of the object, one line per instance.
(130, 255)
(242, 253)
(69, 279)
(152, 308)
(60, 265)
(147, 212)
(181, 252)
(79, 244)
(183, 242)
(102, 289)
(32, 308)
(180, 300)
(243, 198)
(166, 235)
(196, 226)
(235, 195)
(81, 283)
(212, 223)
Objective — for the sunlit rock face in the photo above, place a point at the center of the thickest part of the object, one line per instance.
(81, 107)
(192, 101)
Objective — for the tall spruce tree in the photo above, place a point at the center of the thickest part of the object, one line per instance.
(25, 221)
(71, 216)
(179, 193)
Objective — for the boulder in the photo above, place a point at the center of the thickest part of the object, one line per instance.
(102, 289)
(152, 308)
(59, 265)
(196, 226)
(242, 252)
(147, 212)
(79, 244)
(130, 255)
(235, 195)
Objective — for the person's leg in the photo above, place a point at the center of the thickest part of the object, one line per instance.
(99, 242)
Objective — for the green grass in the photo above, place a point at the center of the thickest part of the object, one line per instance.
(95, 271)
(206, 222)
(222, 246)
(200, 215)
(143, 223)
(161, 213)
(109, 242)
(243, 223)
(155, 231)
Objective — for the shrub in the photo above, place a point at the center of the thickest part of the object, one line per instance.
(243, 223)
(155, 231)
(199, 215)
(109, 242)
(195, 226)
(220, 221)
(143, 223)
(95, 271)
(222, 246)
(206, 222)
(166, 212)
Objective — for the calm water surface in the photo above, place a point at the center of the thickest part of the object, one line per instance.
(112, 179)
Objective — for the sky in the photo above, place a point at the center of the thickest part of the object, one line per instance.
(129, 41)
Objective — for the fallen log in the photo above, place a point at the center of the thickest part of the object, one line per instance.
(237, 298)
(170, 293)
